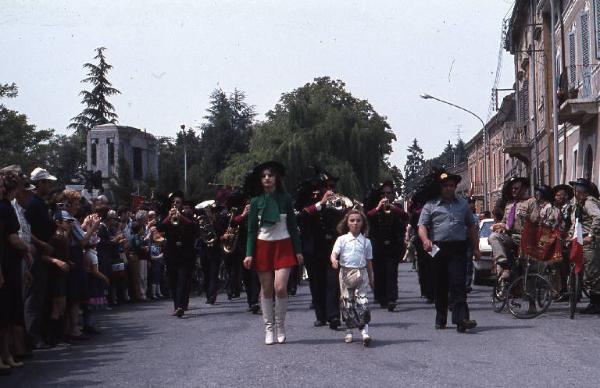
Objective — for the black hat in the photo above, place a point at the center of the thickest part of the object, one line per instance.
(387, 182)
(568, 189)
(176, 194)
(545, 192)
(587, 185)
(272, 165)
(444, 176)
(325, 176)
(514, 179)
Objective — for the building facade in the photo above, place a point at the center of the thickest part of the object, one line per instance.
(522, 143)
(108, 143)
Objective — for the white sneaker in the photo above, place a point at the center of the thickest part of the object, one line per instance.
(366, 338)
(269, 336)
(348, 338)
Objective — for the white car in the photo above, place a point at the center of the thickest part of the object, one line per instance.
(483, 268)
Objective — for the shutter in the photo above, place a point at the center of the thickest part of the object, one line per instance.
(572, 74)
(524, 102)
(597, 26)
(585, 53)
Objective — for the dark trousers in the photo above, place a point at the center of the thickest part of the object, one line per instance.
(470, 269)
(449, 271)
(35, 301)
(425, 273)
(233, 266)
(385, 271)
(179, 276)
(324, 287)
(252, 285)
(210, 259)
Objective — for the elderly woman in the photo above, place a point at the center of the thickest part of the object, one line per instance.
(77, 283)
(15, 250)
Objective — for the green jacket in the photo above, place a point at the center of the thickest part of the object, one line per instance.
(284, 200)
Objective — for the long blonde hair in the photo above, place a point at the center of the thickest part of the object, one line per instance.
(343, 228)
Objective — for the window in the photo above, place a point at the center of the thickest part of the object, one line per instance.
(94, 152)
(572, 68)
(586, 71)
(597, 26)
(574, 172)
(137, 163)
(111, 155)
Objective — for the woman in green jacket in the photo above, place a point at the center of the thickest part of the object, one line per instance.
(273, 245)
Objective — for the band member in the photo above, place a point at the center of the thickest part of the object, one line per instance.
(563, 196)
(423, 259)
(211, 227)
(388, 226)
(447, 223)
(273, 245)
(506, 235)
(587, 211)
(320, 220)
(239, 209)
(180, 255)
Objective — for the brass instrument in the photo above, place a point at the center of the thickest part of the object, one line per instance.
(175, 218)
(357, 205)
(207, 232)
(339, 202)
(387, 207)
(230, 237)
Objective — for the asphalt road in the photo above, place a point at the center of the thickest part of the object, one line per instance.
(141, 345)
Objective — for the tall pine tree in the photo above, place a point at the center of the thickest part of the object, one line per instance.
(97, 108)
(413, 167)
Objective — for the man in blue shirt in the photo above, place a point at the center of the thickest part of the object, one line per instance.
(447, 223)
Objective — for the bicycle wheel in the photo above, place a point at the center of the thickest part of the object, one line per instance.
(499, 294)
(529, 297)
(574, 291)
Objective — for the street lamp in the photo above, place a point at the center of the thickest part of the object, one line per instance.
(182, 126)
(426, 96)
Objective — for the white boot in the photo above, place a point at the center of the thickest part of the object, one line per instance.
(280, 310)
(266, 305)
(365, 336)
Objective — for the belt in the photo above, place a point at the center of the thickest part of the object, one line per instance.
(453, 243)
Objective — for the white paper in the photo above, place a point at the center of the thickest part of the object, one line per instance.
(434, 250)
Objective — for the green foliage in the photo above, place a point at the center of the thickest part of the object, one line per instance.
(21, 143)
(97, 108)
(320, 124)
(413, 167)
(460, 152)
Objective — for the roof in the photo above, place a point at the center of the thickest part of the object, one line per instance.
(123, 130)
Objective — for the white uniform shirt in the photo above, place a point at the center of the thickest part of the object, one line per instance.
(353, 252)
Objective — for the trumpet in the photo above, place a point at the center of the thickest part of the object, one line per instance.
(175, 218)
(339, 202)
(387, 207)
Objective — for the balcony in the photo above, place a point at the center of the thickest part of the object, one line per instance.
(516, 141)
(478, 189)
(578, 111)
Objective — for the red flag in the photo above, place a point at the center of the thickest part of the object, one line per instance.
(576, 254)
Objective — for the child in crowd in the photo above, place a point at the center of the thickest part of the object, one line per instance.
(98, 283)
(157, 262)
(352, 254)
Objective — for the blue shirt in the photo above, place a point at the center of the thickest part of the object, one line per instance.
(447, 220)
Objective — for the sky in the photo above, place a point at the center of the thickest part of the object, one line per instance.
(168, 56)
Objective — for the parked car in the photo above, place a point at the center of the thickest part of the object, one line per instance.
(482, 268)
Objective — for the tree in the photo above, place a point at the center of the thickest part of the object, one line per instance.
(97, 108)
(446, 158)
(21, 142)
(320, 124)
(460, 152)
(413, 167)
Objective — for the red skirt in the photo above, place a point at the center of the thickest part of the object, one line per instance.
(274, 255)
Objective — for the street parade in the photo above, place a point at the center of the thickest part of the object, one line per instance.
(307, 240)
